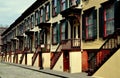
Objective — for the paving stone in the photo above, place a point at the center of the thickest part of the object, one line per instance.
(11, 70)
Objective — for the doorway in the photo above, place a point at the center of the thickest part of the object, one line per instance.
(66, 61)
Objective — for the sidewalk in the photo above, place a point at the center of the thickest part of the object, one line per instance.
(52, 72)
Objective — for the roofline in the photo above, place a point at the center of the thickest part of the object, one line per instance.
(27, 12)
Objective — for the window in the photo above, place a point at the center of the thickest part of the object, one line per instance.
(20, 44)
(41, 15)
(89, 24)
(37, 17)
(32, 21)
(42, 36)
(63, 4)
(64, 32)
(108, 20)
(56, 33)
(20, 29)
(26, 25)
(36, 39)
(55, 7)
(23, 26)
(47, 9)
(29, 23)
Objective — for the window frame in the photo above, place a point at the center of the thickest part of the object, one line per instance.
(32, 21)
(63, 4)
(43, 36)
(55, 34)
(92, 11)
(36, 17)
(107, 20)
(41, 14)
(36, 40)
(47, 12)
(63, 23)
(21, 44)
(55, 8)
(87, 25)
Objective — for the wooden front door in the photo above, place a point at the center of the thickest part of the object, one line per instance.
(66, 62)
(84, 61)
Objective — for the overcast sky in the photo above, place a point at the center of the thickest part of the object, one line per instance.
(10, 10)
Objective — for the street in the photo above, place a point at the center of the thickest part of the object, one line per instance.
(9, 71)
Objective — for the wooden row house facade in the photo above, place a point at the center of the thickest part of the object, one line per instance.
(64, 35)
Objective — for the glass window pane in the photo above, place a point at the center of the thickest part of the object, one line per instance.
(110, 20)
(90, 26)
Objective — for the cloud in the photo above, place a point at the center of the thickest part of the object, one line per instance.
(10, 10)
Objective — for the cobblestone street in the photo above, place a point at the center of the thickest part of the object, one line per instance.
(9, 71)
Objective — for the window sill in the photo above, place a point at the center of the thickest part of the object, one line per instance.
(90, 39)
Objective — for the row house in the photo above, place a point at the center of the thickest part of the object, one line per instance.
(2, 29)
(64, 35)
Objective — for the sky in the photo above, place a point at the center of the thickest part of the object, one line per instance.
(10, 10)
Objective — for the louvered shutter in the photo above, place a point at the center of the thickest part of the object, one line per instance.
(66, 29)
(58, 6)
(83, 27)
(101, 22)
(117, 14)
(95, 24)
(58, 33)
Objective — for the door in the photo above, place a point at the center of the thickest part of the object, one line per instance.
(66, 62)
(84, 61)
(76, 33)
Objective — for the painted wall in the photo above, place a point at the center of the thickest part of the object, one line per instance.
(111, 68)
(59, 64)
(75, 62)
(93, 44)
(23, 62)
(36, 62)
(96, 3)
(19, 57)
(29, 59)
(46, 60)
(86, 5)
(12, 58)
(7, 58)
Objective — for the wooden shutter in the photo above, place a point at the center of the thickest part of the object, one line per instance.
(95, 23)
(101, 22)
(43, 19)
(49, 11)
(83, 27)
(66, 29)
(66, 3)
(58, 33)
(58, 6)
(117, 14)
